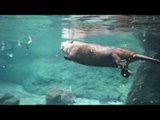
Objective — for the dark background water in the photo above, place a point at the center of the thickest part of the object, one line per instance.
(40, 65)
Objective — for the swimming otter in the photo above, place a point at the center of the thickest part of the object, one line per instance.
(102, 56)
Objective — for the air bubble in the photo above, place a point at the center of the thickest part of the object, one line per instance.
(144, 40)
(2, 48)
(30, 39)
(19, 43)
(151, 101)
(132, 27)
(10, 55)
(144, 34)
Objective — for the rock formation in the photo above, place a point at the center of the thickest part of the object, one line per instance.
(9, 99)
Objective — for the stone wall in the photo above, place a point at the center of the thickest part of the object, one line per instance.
(146, 86)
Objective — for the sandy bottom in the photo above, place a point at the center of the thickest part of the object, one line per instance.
(27, 98)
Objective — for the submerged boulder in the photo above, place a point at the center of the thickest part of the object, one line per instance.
(59, 96)
(146, 86)
(9, 99)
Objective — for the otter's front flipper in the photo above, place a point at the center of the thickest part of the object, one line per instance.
(66, 56)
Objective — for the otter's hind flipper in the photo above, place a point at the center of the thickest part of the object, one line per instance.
(120, 63)
(125, 72)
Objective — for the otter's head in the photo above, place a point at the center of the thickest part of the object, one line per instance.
(65, 46)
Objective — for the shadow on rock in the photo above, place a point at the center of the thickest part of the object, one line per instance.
(9, 99)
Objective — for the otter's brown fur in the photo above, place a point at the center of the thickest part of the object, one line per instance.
(102, 56)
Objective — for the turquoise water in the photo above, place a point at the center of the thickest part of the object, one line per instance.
(32, 61)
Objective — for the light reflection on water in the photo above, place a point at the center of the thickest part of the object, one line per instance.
(82, 26)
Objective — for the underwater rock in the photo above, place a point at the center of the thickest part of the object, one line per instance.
(146, 86)
(12, 101)
(53, 97)
(9, 99)
(5, 96)
(107, 99)
(59, 96)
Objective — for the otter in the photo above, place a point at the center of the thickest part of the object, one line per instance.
(102, 56)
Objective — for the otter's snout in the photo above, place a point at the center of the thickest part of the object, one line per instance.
(65, 46)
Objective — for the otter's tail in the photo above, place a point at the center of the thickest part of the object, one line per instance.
(146, 58)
